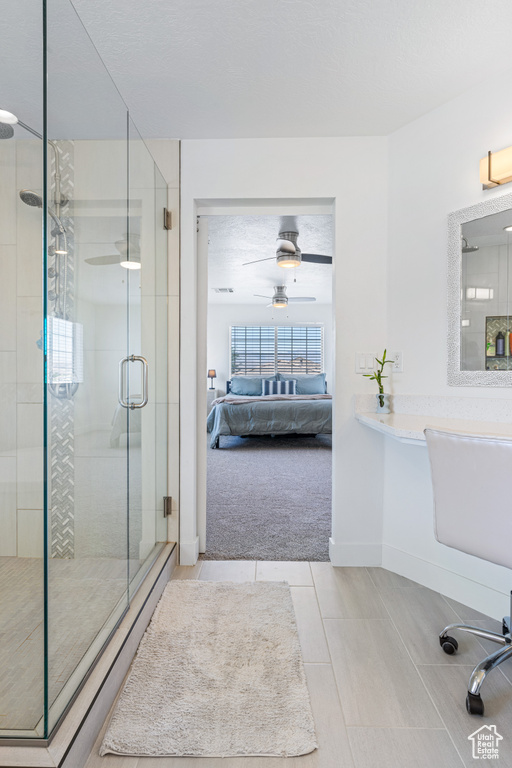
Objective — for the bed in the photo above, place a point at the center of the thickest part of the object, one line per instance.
(306, 410)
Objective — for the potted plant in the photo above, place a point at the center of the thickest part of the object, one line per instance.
(378, 375)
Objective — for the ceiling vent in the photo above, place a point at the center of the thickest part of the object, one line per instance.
(224, 290)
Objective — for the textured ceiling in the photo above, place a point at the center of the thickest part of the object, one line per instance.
(233, 240)
(282, 68)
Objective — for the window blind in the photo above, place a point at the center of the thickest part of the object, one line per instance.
(252, 350)
(264, 350)
(299, 349)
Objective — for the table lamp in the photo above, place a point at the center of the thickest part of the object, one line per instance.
(212, 373)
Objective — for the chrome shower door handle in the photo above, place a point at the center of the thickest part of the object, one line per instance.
(145, 390)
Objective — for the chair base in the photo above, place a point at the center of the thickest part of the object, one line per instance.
(474, 703)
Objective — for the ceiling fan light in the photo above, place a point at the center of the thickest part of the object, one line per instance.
(288, 260)
(279, 299)
(130, 264)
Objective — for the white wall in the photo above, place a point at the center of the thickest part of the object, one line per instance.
(222, 316)
(352, 172)
(388, 292)
(433, 170)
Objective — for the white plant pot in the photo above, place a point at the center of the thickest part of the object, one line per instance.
(382, 403)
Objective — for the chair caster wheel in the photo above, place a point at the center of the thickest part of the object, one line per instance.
(504, 628)
(448, 644)
(474, 704)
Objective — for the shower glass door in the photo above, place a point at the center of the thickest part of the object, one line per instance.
(103, 335)
(83, 297)
(87, 310)
(22, 583)
(147, 342)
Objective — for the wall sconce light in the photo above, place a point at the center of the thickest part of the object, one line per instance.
(496, 168)
(212, 373)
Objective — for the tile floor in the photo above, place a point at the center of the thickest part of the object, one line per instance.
(382, 691)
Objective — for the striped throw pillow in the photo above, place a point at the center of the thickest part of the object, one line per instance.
(287, 387)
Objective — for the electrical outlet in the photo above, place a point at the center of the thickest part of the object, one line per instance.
(398, 362)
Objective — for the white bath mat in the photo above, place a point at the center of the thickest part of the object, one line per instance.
(218, 673)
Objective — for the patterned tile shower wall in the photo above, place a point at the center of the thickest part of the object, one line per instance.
(61, 404)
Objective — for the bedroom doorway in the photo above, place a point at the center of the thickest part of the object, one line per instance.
(269, 358)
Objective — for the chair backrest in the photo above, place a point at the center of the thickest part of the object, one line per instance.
(472, 482)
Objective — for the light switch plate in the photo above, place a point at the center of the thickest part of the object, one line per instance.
(361, 362)
(365, 362)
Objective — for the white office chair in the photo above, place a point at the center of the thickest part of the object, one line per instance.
(471, 477)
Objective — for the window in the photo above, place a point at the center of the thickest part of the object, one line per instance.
(264, 350)
(65, 351)
(300, 349)
(253, 350)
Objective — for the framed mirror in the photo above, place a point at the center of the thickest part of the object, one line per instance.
(480, 294)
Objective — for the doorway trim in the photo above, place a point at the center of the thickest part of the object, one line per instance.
(194, 362)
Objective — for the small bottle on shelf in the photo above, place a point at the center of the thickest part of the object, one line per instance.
(500, 345)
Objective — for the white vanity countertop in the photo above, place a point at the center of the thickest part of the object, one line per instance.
(408, 428)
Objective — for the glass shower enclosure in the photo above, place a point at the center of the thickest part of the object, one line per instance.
(83, 362)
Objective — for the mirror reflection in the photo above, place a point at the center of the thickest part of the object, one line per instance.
(486, 309)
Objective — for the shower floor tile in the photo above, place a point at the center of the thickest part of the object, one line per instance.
(83, 594)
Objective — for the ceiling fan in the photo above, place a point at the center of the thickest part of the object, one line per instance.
(128, 255)
(288, 253)
(280, 299)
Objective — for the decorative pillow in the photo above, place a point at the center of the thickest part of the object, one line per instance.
(309, 383)
(244, 385)
(287, 387)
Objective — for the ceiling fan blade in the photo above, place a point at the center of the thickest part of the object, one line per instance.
(316, 258)
(99, 261)
(285, 245)
(301, 298)
(259, 295)
(257, 261)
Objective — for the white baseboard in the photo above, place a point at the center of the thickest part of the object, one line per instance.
(464, 590)
(189, 551)
(355, 554)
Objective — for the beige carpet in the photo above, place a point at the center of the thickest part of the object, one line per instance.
(269, 498)
(218, 673)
